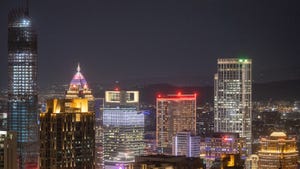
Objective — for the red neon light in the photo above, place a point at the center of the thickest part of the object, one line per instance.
(227, 139)
(117, 89)
(178, 95)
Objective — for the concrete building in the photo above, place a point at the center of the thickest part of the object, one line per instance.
(174, 113)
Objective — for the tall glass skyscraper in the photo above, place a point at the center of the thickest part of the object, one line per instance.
(233, 97)
(22, 86)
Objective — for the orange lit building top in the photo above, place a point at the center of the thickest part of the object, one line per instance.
(67, 135)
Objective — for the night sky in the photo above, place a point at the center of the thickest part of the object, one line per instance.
(159, 41)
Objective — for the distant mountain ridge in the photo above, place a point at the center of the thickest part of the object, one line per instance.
(288, 90)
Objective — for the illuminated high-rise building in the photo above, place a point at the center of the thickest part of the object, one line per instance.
(233, 98)
(184, 143)
(8, 150)
(123, 128)
(79, 88)
(22, 86)
(67, 135)
(278, 151)
(174, 113)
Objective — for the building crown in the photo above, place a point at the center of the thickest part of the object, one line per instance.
(78, 82)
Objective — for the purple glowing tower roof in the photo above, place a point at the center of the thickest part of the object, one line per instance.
(78, 80)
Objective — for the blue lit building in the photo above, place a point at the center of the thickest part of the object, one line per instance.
(22, 86)
(217, 145)
(123, 128)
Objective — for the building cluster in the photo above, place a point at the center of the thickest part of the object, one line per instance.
(79, 131)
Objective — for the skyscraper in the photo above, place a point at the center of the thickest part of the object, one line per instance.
(174, 113)
(123, 128)
(22, 86)
(233, 98)
(67, 135)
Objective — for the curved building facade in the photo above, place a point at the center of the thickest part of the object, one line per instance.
(278, 151)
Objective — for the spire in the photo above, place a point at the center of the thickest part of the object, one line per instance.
(78, 67)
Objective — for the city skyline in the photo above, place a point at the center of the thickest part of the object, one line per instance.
(134, 41)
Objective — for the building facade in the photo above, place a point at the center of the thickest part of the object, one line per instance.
(278, 151)
(22, 86)
(187, 144)
(174, 113)
(220, 144)
(123, 128)
(166, 162)
(8, 150)
(67, 136)
(233, 98)
(3, 113)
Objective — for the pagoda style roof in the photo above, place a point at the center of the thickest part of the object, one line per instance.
(78, 80)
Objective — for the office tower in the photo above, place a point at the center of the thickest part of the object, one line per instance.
(22, 86)
(187, 144)
(205, 120)
(219, 144)
(166, 162)
(278, 151)
(67, 135)
(174, 113)
(123, 128)
(233, 98)
(79, 88)
(8, 150)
